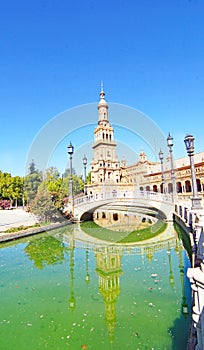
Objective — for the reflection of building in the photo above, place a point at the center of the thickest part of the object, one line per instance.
(72, 300)
(109, 271)
(123, 221)
(106, 170)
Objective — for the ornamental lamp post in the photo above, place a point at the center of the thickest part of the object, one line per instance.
(170, 145)
(195, 200)
(161, 157)
(85, 164)
(71, 151)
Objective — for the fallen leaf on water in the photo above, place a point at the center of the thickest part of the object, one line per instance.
(84, 346)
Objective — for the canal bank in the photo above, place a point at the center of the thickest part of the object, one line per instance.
(16, 218)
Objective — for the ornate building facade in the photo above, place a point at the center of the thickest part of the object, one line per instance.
(147, 175)
(106, 170)
(105, 166)
(109, 174)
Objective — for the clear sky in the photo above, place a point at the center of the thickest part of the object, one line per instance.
(54, 54)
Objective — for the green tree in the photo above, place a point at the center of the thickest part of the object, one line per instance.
(11, 187)
(88, 178)
(32, 182)
(77, 184)
(51, 174)
(43, 206)
(53, 184)
(67, 172)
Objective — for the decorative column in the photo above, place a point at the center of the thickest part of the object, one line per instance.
(173, 180)
(195, 200)
(161, 157)
(85, 164)
(71, 151)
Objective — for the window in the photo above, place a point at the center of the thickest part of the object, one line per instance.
(115, 216)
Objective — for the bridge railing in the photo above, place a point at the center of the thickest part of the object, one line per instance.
(107, 195)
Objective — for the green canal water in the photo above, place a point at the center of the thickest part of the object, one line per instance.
(59, 292)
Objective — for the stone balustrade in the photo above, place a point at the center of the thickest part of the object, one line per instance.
(193, 222)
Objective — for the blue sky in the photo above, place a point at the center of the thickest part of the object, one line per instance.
(54, 54)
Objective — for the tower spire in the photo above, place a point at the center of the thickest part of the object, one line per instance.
(102, 106)
(102, 86)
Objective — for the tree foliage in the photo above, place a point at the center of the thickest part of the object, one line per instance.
(11, 187)
(43, 207)
(46, 251)
(33, 185)
(32, 182)
(51, 174)
(88, 178)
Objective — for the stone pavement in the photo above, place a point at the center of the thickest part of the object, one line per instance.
(15, 218)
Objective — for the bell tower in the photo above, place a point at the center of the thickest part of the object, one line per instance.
(105, 166)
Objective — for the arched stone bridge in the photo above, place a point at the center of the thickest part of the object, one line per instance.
(86, 205)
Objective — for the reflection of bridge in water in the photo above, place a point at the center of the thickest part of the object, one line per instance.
(109, 269)
(164, 241)
(173, 207)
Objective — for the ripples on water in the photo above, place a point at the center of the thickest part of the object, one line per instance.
(60, 293)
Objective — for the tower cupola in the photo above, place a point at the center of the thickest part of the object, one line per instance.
(102, 107)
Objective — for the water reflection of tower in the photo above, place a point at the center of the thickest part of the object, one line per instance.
(108, 268)
(72, 300)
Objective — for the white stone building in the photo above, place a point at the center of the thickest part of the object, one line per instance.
(109, 174)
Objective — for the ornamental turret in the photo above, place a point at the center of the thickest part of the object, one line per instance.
(102, 108)
(105, 166)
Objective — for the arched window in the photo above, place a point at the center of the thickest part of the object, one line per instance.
(115, 216)
(170, 188)
(188, 186)
(198, 185)
(155, 188)
(178, 187)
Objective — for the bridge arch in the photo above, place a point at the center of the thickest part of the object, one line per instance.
(84, 207)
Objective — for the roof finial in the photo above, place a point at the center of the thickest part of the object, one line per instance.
(102, 86)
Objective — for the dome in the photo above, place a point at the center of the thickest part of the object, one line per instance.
(102, 101)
